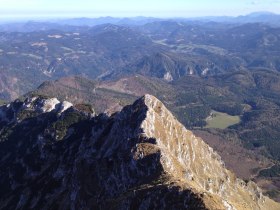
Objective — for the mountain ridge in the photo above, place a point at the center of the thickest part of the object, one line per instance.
(124, 161)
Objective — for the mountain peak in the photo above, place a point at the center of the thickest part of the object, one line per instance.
(150, 101)
(189, 159)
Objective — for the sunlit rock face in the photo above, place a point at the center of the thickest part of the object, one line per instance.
(139, 158)
(189, 159)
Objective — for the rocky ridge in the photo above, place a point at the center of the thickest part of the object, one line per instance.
(138, 158)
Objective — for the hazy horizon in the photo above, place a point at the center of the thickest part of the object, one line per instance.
(36, 9)
(53, 18)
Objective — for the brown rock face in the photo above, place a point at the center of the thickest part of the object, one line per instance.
(139, 158)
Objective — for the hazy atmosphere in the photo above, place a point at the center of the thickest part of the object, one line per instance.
(125, 8)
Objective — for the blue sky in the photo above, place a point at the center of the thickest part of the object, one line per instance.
(125, 8)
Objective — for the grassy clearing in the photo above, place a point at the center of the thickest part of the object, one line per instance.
(221, 120)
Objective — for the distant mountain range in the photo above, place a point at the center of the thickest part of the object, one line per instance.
(42, 25)
(256, 17)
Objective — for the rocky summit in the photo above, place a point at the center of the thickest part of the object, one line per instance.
(55, 155)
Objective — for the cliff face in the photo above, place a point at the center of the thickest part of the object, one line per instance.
(195, 165)
(139, 158)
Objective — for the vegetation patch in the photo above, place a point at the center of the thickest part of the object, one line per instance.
(2, 102)
(87, 108)
(273, 194)
(221, 120)
(274, 171)
(62, 125)
(24, 114)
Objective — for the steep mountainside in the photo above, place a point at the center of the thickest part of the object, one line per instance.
(55, 156)
(167, 66)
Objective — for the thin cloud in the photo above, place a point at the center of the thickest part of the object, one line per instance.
(264, 2)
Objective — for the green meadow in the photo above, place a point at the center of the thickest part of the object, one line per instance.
(221, 120)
